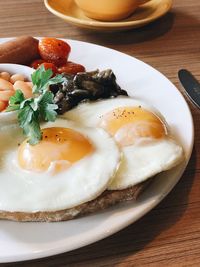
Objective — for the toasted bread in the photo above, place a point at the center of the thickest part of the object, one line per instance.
(105, 200)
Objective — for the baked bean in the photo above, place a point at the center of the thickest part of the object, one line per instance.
(6, 94)
(10, 83)
(2, 105)
(17, 77)
(29, 84)
(5, 75)
(24, 87)
(5, 85)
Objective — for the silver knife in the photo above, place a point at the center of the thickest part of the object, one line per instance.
(191, 85)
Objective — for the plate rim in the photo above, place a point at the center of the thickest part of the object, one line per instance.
(62, 249)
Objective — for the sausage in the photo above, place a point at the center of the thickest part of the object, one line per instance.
(21, 50)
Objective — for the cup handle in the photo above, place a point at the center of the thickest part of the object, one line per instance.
(141, 2)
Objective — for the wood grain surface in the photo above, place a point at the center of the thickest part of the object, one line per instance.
(170, 234)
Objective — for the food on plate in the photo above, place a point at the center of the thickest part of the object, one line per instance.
(54, 50)
(36, 63)
(54, 55)
(9, 84)
(70, 166)
(47, 65)
(140, 131)
(38, 107)
(85, 86)
(105, 200)
(21, 50)
(148, 150)
(5, 75)
(81, 144)
(5, 85)
(51, 66)
(71, 68)
(3, 105)
(6, 94)
(25, 87)
(17, 77)
(47, 50)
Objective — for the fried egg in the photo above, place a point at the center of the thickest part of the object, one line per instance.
(141, 133)
(69, 166)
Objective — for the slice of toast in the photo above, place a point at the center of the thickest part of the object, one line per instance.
(105, 200)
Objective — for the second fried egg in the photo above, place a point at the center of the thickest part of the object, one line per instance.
(139, 130)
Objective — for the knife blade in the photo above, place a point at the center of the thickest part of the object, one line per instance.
(191, 86)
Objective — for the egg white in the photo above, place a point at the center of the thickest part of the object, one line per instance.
(141, 160)
(28, 191)
(145, 159)
(90, 113)
(8, 117)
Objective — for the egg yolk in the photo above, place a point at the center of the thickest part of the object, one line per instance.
(58, 149)
(128, 124)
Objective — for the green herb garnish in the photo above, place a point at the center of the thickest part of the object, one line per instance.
(40, 107)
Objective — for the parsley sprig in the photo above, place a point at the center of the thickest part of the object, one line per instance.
(40, 107)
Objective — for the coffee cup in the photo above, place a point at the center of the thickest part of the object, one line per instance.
(109, 10)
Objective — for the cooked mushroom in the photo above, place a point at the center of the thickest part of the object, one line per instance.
(85, 86)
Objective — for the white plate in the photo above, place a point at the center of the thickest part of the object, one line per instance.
(25, 241)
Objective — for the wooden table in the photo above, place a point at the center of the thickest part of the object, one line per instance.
(170, 234)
